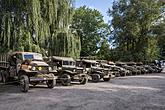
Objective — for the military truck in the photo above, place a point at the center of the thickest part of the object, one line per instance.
(142, 68)
(139, 70)
(121, 71)
(114, 71)
(95, 72)
(149, 68)
(27, 68)
(133, 70)
(156, 68)
(67, 71)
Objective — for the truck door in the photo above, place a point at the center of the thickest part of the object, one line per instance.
(18, 61)
(12, 62)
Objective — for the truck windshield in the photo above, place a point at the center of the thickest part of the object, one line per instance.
(68, 63)
(94, 64)
(34, 56)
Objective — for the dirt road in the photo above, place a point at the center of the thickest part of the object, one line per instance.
(144, 92)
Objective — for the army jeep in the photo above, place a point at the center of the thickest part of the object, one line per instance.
(27, 68)
(95, 71)
(67, 70)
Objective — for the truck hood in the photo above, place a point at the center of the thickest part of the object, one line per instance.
(39, 63)
(97, 68)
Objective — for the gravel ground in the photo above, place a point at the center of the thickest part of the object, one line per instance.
(142, 92)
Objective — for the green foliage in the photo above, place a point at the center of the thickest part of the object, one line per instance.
(39, 26)
(152, 50)
(91, 28)
(159, 32)
(104, 50)
(131, 22)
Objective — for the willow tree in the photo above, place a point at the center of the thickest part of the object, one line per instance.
(38, 25)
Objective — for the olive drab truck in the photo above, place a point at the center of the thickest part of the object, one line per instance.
(96, 72)
(67, 71)
(27, 68)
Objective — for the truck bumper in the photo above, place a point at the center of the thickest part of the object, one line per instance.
(107, 76)
(41, 79)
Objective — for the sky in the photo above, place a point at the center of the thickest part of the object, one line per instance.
(100, 5)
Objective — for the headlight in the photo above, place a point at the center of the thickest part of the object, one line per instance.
(74, 70)
(33, 68)
(29, 67)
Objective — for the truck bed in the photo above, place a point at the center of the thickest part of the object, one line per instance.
(4, 61)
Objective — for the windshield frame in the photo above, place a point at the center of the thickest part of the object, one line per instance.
(68, 63)
(33, 56)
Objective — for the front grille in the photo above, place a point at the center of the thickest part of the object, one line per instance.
(106, 71)
(43, 69)
(79, 70)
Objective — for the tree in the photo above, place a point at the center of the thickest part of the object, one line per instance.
(39, 26)
(104, 50)
(131, 22)
(159, 32)
(91, 28)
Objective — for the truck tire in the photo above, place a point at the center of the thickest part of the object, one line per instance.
(51, 83)
(4, 76)
(0, 76)
(95, 78)
(118, 75)
(24, 83)
(83, 80)
(65, 79)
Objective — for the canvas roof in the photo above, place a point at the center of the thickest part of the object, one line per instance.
(63, 58)
(90, 61)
